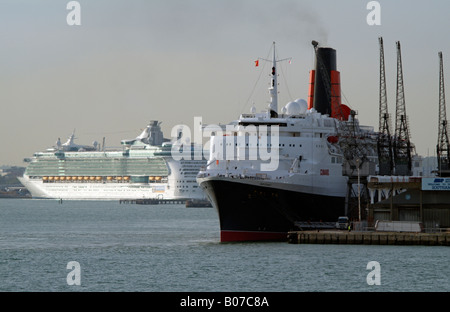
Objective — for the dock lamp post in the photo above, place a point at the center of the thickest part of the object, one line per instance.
(359, 191)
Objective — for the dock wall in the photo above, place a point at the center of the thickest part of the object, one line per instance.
(368, 238)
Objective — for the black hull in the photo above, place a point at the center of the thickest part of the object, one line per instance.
(250, 212)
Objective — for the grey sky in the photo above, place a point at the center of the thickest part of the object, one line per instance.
(133, 61)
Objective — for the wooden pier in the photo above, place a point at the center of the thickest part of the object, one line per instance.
(369, 238)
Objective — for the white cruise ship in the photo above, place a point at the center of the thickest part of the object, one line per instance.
(142, 169)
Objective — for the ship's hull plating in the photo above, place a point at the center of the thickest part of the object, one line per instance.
(251, 212)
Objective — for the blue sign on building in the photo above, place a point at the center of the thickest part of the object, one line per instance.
(436, 184)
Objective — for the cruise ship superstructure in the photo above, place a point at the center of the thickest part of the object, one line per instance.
(142, 169)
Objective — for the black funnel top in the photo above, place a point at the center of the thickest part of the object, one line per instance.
(322, 101)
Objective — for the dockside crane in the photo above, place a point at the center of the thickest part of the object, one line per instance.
(402, 143)
(352, 143)
(353, 148)
(443, 145)
(384, 140)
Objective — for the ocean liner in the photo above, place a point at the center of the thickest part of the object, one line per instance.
(269, 172)
(142, 168)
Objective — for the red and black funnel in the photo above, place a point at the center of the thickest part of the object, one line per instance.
(325, 85)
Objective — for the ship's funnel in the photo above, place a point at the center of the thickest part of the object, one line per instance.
(319, 98)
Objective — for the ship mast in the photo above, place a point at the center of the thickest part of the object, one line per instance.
(273, 89)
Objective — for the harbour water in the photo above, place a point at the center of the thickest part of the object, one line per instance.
(170, 248)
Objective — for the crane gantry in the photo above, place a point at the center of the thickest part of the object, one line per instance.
(384, 140)
(402, 147)
(443, 144)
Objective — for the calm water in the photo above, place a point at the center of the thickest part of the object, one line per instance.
(170, 248)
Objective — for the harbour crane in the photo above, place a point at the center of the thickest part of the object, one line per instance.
(402, 142)
(443, 145)
(384, 140)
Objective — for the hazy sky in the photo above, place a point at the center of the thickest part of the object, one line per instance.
(130, 62)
